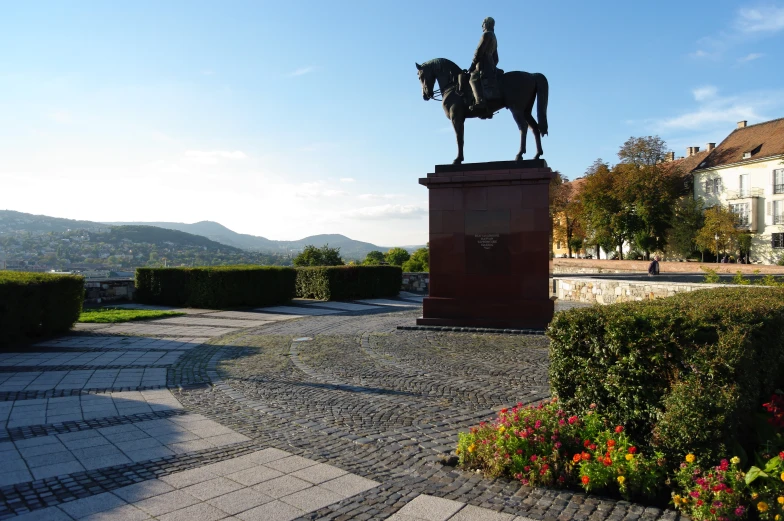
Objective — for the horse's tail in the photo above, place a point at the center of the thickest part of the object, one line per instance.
(542, 92)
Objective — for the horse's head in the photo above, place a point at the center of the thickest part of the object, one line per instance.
(427, 78)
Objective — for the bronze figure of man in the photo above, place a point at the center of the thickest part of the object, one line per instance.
(484, 62)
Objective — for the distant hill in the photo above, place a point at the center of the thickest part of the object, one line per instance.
(156, 235)
(204, 230)
(18, 221)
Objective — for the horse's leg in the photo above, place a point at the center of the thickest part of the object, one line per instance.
(522, 124)
(538, 135)
(458, 122)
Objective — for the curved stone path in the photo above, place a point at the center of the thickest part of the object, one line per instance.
(307, 411)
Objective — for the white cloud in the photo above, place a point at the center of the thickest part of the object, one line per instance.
(387, 211)
(705, 93)
(751, 57)
(373, 197)
(212, 157)
(334, 193)
(302, 71)
(208, 72)
(767, 19)
(61, 116)
(714, 111)
(316, 190)
(347, 179)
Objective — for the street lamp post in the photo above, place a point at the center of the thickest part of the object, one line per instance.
(716, 236)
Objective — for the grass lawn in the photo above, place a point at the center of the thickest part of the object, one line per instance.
(113, 315)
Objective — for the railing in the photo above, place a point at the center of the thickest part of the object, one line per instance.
(745, 193)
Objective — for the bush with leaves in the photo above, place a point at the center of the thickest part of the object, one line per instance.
(313, 256)
(419, 261)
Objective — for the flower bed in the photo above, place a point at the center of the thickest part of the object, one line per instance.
(546, 445)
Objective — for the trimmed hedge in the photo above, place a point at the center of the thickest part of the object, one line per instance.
(686, 373)
(349, 282)
(34, 304)
(215, 287)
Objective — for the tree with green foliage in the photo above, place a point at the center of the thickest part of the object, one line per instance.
(604, 213)
(566, 210)
(643, 151)
(324, 256)
(373, 258)
(419, 261)
(397, 256)
(744, 245)
(687, 220)
(719, 233)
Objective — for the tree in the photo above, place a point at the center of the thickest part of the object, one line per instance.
(643, 151)
(744, 245)
(687, 220)
(719, 233)
(313, 256)
(567, 208)
(397, 256)
(419, 261)
(604, 213)
(373, 258)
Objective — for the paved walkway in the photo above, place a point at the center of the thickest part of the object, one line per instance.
(309, 411)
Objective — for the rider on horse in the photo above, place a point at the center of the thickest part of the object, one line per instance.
(484, 63)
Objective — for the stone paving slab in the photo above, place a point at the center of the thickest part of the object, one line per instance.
(159, 328)
(342, 306)
(431, 508)
(58, 454)
(20, 413)
(248, 315)
(214, 492)
(389, 302)
(82, 379)
(189, 311)
(90, 358)
(123, 342)
(298, 311)
(202, 320)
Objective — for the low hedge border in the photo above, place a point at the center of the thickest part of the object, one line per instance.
(36, 304)
(349, 282)
(685, 373)
(216, 287)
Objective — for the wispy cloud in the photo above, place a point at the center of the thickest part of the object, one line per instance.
(302, 71)
(317, 190)
(716, 112)
(376, 197)
(387, 211)
(347, 180)
(750, 57)
(766, 19)
(212, 157)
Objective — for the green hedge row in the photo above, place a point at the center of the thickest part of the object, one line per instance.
(215, 287)
(686, 373)
(34, 304)
(349, 282)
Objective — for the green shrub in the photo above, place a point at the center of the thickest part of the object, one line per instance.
(349, 282)
(33, 304)
(681, 373)
(215, 287)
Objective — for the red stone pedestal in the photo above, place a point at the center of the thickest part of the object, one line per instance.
(489, 245)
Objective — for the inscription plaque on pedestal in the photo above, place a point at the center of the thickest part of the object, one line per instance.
(489, 244)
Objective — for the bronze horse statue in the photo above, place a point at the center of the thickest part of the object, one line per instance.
(518, 91)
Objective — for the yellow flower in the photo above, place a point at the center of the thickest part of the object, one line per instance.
(629, 457)
(735, 460)
(501, 429)
(781, 500)
(471, 448)
(676, 499)
(754, 495)
(457, 451)
(782, 476)
(690, 458)
(762, 506)
(777, 517)
(621, 479)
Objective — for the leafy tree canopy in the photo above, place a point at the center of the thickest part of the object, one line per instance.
(643, 151)
(373, 258)
(397, 256)
(419, 261)
(324, 256)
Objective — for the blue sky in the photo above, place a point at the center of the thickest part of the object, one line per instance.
(287, 119)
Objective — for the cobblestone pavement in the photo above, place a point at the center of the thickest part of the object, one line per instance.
(307, 411)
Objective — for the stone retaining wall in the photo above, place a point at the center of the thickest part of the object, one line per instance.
(627, 266)
(416, 282)
(603, 291)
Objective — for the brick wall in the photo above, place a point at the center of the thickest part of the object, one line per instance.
(416, 282)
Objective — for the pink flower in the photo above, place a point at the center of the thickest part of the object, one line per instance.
(572, 420)
(534, 457)
(537, 424)
(740, 511)
(561, 422)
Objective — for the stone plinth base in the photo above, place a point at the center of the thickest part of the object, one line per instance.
(489, 245)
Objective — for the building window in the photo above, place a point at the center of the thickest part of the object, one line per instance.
(778, 181)
(717, 185)
(713, 186)
(743, 185)
(742, 210)
(777, 240)
(778, 212)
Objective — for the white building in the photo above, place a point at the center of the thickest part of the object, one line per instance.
(746, 173)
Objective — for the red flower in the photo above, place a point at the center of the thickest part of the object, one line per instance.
(576, 458)
(781, 455)
(619, 429)
(585, 456)
(504, 410)
(572, 420)
(519, 451)
(632, 450)
(534, 457)
(586, 443)
(611, 443)
(607, 462)
(592, 446)
(585, 480)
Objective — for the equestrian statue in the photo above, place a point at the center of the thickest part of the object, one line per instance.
(491, 90)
